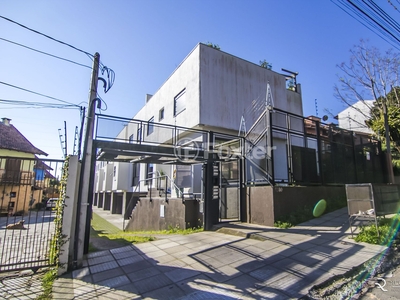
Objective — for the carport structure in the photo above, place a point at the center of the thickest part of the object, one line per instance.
(158, 143)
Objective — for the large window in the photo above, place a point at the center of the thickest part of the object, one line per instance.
(150, 126)
(180, 102)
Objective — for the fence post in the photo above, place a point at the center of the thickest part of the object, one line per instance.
(66, 257)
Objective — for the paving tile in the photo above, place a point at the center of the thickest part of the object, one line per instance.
(175, 249)
(249, 266)
(130, 260)
(97, 254)
(103, 267)
(129, 288)
(269, 293)
(122, 249)
(124, 254)
(152, 283)
(292, 285)
(265, 273)
(155, 254)
(285, 250)
(97, 277)
(100, 259)
(144, 273)
(181, 274)
(169, 292)
(168, 245)
(79, 273)
(243, 283)
(199, 282)
(137, 266)
(115, 281)
(217, 277)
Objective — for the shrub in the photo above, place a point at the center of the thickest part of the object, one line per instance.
(387, 228)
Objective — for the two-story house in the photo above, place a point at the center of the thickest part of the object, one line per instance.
(19, 184)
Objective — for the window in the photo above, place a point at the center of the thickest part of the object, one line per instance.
(131, 137)
(149, 174)
(150, 126)
(139, 134)
(135, 174)
(161, 114)
(180, 102)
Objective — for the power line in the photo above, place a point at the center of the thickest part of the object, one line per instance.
(47, 36)
(37, 104)
(29, 91)
(374, 18)
(42, 52)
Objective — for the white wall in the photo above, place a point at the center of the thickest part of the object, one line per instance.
(229, 85)
(123, 177)
(353, 118)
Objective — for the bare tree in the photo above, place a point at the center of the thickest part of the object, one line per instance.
(369, 75)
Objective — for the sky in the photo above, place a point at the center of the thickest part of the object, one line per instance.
(143, 41)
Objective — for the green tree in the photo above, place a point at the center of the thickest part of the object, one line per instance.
(376, 121)
(215, 46)
(265, 64)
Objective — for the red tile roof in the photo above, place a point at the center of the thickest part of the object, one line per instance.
(12, 139)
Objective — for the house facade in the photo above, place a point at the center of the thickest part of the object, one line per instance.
(252, 119)
(354, 117)
(210, 90)
(21, 181)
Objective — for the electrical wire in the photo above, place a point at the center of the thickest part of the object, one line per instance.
(47, 36)
(29, 91)
(374, 18)
(36, 104)
(110, 72)
(101, 99)
(45, 53)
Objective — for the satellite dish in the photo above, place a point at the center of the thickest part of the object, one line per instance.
(324, 118)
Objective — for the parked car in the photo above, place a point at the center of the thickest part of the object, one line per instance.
(51, 203)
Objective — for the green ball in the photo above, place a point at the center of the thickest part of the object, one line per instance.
(319, 208)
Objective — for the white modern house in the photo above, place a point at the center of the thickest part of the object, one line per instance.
(354, 117)
(209, 90)
(207, 102)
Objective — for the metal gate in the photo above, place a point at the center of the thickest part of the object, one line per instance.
(29, 192)
(229, 190)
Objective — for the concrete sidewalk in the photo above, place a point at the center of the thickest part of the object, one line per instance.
(240, 261)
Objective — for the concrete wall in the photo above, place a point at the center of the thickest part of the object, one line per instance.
(147, 214)
(230, 84)
(123, 177)
(266, 204)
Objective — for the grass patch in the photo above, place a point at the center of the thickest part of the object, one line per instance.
(305, 213)
(387, 228)
(47, 284)
(101, 228)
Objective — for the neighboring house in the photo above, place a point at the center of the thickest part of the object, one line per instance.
(354, 117)
(20, 185)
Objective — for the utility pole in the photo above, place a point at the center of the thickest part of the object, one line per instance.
(388, 148)
(84, 193)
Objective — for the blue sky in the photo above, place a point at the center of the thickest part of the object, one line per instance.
(144, 41)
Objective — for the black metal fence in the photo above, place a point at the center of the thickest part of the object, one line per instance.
(319, 153)
(305, 151)
(26, 215)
